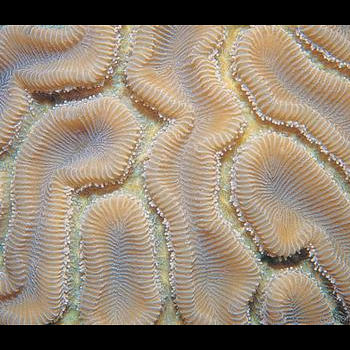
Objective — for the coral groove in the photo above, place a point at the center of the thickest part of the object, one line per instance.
(286, 88)
(2, 192)
(295, 299)
(120, 277)
(74, 147)
(174, 70)
(291, 203)
(38, 59)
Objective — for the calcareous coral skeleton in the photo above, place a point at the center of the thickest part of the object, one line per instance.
(174, 174)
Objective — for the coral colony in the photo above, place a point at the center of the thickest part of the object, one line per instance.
(174, 174)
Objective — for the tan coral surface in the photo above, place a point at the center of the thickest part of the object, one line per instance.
(295, 299)
(138, 181)
(120, 278)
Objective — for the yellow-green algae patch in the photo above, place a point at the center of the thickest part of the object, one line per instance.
(135, 183)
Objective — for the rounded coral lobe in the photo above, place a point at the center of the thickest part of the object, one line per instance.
(120, 284)
(294, 299)
(74, 147)
(36, 59)
(292, 204)
(214, 276)
(287, 88)
(331, 40)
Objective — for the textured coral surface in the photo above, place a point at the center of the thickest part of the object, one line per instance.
(174, 174)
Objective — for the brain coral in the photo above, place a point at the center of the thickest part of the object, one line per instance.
(287, 88)
(120, 280)
(174, 174)
(292, 203)
(214, 276)
(295, 299)
(74, 147)
(38, 59)
(333, 41)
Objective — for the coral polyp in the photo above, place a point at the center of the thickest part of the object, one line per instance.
(174, 175)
